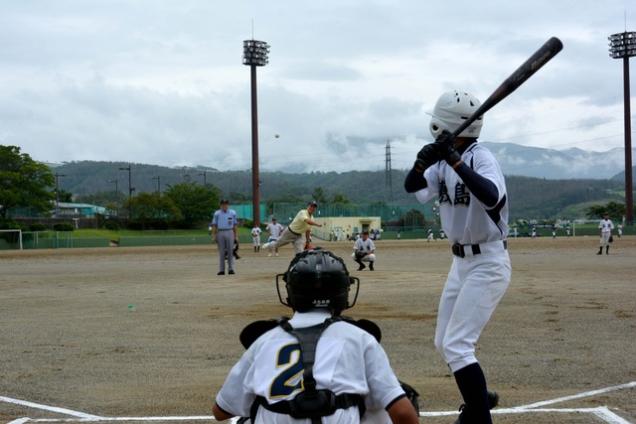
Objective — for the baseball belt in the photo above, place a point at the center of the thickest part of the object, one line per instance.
(463, 250)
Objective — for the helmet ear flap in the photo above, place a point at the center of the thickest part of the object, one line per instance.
(280, 296)
(353, 280)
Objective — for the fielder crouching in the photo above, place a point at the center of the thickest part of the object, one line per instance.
(364, 251)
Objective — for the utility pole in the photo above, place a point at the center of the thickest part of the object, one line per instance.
(131, 189)
(388, 173)
(116, 182)
(57, 192)
(623, 46)
(158, 178)
(255, 54)
(205, 181)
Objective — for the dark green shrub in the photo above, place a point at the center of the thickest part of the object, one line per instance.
(63, 226)
(110, 224)
(37, 226)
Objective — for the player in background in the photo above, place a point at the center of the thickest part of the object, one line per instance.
(471, 189)
(316, 366)
(619, 230)
(364, 251)
(299, 231)
(256, 238)
(605, 228)
(275, 230)
(430, 235)
(223, 228)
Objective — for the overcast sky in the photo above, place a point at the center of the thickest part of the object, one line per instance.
(162, 81)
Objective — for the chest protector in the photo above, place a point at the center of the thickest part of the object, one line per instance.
(310, 403)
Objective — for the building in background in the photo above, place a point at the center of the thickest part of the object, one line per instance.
(82, 210)
(338, 228)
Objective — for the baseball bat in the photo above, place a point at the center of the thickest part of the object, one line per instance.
(518, 77)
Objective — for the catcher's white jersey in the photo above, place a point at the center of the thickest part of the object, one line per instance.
(275, 230)
(606, 225)
(348, 360)
(465, 219)
(256, 232)
(366, 246)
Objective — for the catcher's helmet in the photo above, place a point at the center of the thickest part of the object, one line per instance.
(451, 110)
(317, 279)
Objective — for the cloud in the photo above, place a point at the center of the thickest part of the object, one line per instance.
(162, 82)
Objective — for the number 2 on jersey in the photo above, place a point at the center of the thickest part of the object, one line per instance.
(288, 357)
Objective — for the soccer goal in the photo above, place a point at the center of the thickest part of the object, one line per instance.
(13, 237)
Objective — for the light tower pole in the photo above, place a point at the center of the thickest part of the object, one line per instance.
(255, 54)
(623, 46)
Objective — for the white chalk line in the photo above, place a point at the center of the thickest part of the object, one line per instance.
(601, 412)
(608, 416)
(49, 408)
(579, 396)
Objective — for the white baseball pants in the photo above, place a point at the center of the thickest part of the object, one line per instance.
(474, 287)
(605, 238)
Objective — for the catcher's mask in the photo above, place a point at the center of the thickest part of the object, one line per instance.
(317, 279)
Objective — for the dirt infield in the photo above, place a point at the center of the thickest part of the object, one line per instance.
(153, 331)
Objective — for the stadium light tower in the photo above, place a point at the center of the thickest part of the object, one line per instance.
(255, 53)
(623, 46)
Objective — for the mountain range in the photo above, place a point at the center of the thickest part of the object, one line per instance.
(539, 162)
(526, 161)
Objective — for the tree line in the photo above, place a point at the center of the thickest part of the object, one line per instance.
(189, 195)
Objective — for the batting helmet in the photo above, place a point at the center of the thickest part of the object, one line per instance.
(317, 279)
(451, 110)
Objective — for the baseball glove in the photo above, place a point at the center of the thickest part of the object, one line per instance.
(611, 239)
(359, 254)
(412, 395)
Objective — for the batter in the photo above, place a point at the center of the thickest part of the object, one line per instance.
(470, 187)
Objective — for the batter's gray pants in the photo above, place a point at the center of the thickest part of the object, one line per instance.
(225, 241)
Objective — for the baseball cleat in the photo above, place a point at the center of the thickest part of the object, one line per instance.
(220, 273)
(493, 401)
(231, 272)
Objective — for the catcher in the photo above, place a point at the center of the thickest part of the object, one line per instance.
(318, 366)
(299, 231)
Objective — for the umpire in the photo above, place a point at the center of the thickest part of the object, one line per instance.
(224, 233)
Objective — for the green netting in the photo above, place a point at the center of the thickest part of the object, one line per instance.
(5, 245)
(387, 212)
(164, 240)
